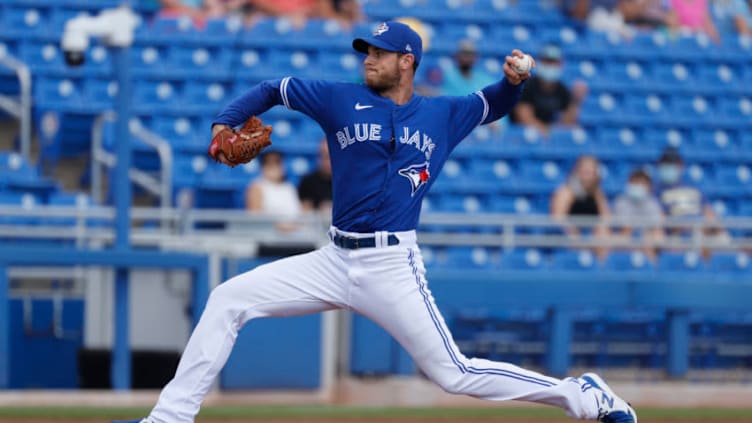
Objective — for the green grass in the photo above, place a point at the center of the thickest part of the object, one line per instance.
(334, 413)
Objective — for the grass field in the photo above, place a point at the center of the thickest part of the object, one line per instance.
(362, 414)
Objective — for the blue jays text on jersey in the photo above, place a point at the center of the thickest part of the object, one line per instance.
(384, 156)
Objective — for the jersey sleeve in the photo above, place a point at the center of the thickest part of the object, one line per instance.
(467, 112)
(310, 97)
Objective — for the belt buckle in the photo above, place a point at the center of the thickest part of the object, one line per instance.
(357, 243)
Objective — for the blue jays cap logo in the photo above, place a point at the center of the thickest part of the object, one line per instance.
(418, 175)
(382, 28)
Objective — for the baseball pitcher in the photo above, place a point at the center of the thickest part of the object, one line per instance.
(387, 146)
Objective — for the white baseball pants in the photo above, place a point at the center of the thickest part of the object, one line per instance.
(386, 284)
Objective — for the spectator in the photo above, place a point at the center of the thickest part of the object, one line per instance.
(315, 189)
(271, 194)
(581, 195)
(198, 10)
(732, 17)
(347, 12)
(647, 14)
(546, 101)
(693, 16)
(602, 15)
(464, 77)
(638, 204)
(682, 200)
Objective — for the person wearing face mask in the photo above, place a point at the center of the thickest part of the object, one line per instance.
(582, 195)
(638, 203)
(464, 76)
(546, 100)
(682, 200)
(271, 193)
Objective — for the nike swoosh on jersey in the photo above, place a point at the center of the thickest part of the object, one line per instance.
(359, 106)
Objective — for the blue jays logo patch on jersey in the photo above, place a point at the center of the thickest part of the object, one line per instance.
(382, 28)
(418, 176)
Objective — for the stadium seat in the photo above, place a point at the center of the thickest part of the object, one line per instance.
(627, 261)
(149, 96)
(679, 263)
(23, 22)
(524, 259)
(730, 262)
(200, 62)
(573, 260)
(204, 97)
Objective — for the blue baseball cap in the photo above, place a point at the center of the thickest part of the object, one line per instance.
(392, 36)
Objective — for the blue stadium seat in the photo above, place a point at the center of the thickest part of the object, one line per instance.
(672, 76)
(149, 61)
(270, 33)
(622, 76)
(23, 22)
(471, 257)
(674, 263)
(602, 109)
(512, 204)
(613, 142)
(59, 94)
(730, 262)
(100, 94)
(540, 177)
(340, 66)
(149, 96)
(692, 111)
(43, 57)
(186, 133)
(254, 66)
(168, 30)
(734, 181)
(582, 260)
(647, 110)
(26, 201)
(210, 62)
(713, 145)
(295, 62)
(324, 35)
(524, 259)
(736, 109)
(203, 97)
(568, 143)
(627, 261)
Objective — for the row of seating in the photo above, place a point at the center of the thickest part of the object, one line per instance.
(668, 264)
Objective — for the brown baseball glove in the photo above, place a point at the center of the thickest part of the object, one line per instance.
(241, 145)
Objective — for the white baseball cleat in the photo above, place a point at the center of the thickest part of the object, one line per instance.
(611, 408)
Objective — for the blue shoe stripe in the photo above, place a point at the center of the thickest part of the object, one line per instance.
(447, 343)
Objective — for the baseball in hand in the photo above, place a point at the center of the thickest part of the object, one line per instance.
(524, 64)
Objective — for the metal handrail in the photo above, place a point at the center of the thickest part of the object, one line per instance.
(20, 109)
(101, 156)
(245, 229)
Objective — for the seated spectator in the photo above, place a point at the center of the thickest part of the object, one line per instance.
(581, 195)
(346, 12)
(271, 194)
(647, 14)
(601, 15)
(732, 17)
(464, 77)
(638, 204)
(693, 16)
(315, 189)
(546, 101)
(682, 200)
(198, 10)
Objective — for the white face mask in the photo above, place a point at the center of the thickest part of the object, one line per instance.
(550, 73)
(637, 192)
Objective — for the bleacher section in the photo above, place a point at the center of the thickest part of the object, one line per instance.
(645, 93)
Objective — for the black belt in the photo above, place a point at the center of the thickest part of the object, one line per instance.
(352, 243)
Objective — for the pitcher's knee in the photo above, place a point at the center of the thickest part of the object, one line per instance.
(452, 384)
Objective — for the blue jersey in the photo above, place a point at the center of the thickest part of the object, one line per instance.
(384, 156)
